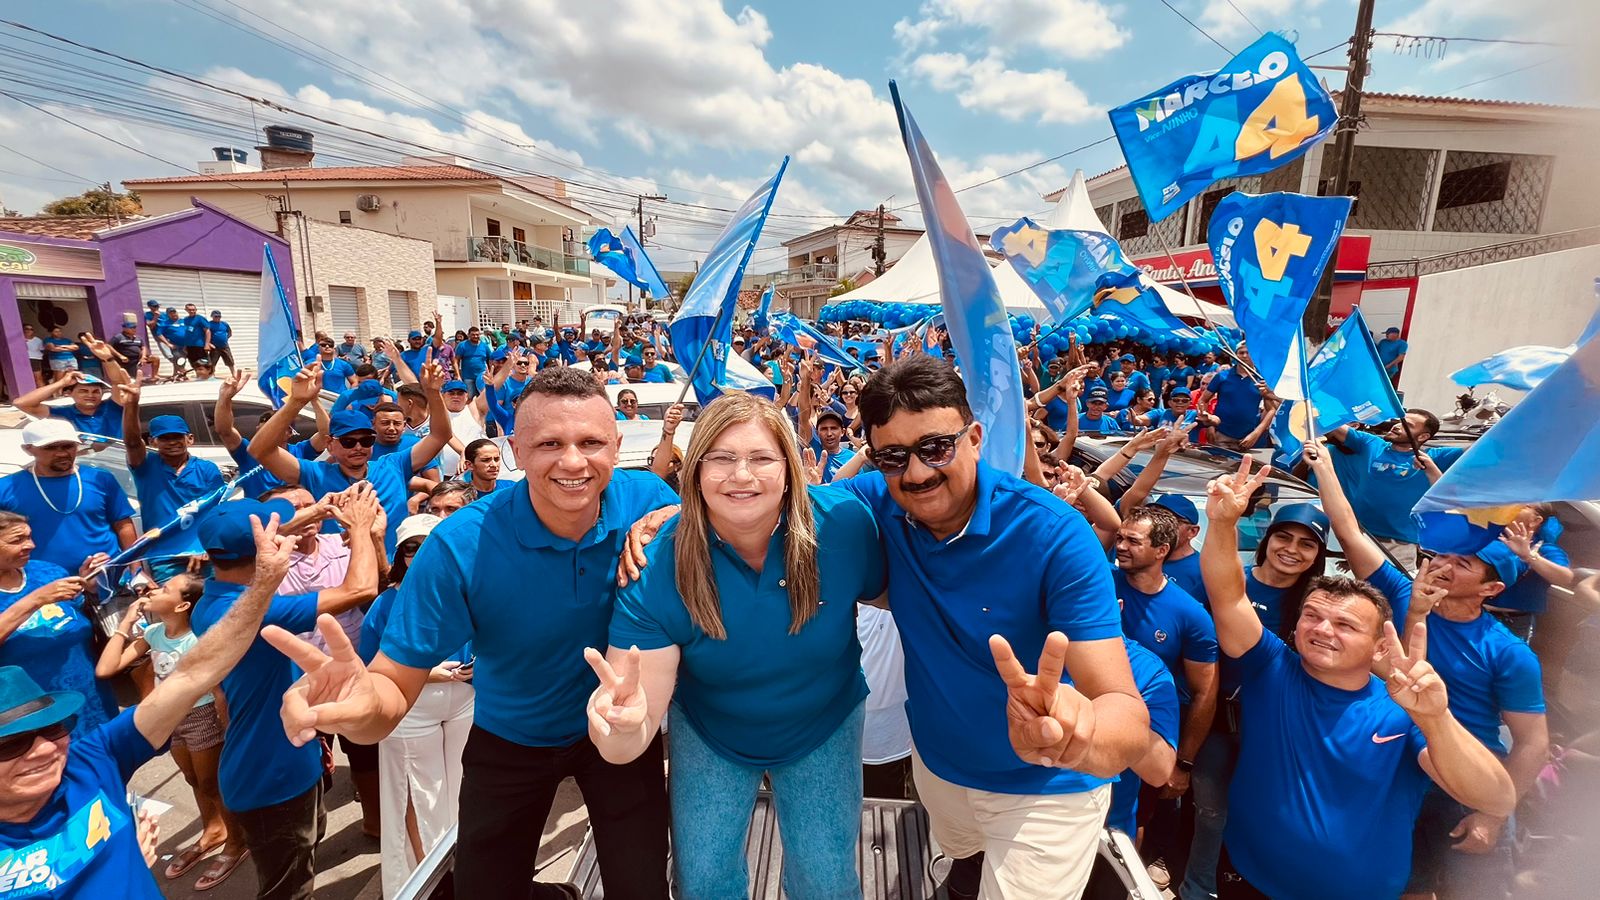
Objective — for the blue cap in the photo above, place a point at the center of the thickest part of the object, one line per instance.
(633, 361)
(24, 706)
(1126, 357)
(153, 304)
(1507, 566)
(348, 421)
(216, 313)
(1180, 506)
(225, 532)
(456, 385)
(1391, 330)
(1098, 394)
(161, 426)
(1180, 392)
(1306, 514)
(414, 334)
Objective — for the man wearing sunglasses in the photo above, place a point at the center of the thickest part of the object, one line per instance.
(351, 448)
(168, 478)
(63, 822)
(337, 374)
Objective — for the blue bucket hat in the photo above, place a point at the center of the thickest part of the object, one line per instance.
(348, 421)
(161, 426)
(25, 707)
(225, 532)
(1180, 506)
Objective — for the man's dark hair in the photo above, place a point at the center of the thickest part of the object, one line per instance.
(279, 491)
(366, 370)
(561, 381)
(1429, 420)
(475, 446)
(387, 407)
(1345, 586)
(1163, 525)
(412, 390)
(914, 383)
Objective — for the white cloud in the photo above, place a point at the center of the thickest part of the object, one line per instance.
(1224, 21)
(1047, 96)
(1078, 29)
(912, 36)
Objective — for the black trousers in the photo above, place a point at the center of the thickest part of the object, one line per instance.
(283, 843)
(223, 353)
(506, 794)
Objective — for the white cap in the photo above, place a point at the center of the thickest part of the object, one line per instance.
(415, 526)
(44, 432)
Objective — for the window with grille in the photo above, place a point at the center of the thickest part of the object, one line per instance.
(1134, 223)
(1479, 184)
(1493, 193)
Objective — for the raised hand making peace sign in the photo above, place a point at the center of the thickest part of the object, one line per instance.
(619, 704)
(1049, 723)
(1412, 682)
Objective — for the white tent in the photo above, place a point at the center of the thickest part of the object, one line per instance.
(915, 279)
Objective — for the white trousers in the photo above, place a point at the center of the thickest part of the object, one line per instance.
(420, 764)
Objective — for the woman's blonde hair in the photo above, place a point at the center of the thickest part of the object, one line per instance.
(696, 581)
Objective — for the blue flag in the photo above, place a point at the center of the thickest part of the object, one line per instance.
(177, 537)
(762, 320)
(277, 354)
(1346, 385)
(797, 333)
(973, 310)
(1261, 110)
(624, 255)
(1270, 251)
(1523, 368)
(648, 277)
(703, 327)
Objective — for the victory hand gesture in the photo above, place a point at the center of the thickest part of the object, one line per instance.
(1229, 496)
(307, 384)
(1049, 723)
(618, 704)
(1413, 684)
(1426, 592)
(335, 693)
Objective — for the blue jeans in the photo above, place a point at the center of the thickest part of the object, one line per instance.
(818, 802)
(1213, 769)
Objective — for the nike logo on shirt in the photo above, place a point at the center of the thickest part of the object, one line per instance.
(1387, 739)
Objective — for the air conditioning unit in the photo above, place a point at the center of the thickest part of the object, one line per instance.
(368, 203)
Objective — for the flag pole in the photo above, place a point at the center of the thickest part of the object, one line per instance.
(1228, 348)
(715, 327)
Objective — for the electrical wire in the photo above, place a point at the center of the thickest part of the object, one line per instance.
(1246, 18)
(1196, 27)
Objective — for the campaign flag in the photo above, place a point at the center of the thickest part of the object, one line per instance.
(277, 354)
(1346, 381)
(703, 326)
(648, 277)
(974, 312)
(178, 537)
(1523, 368)
(1270, 250)
(1261, 110)
(762, 321)
(1076, 272)
(1542, 451)
(797, 333)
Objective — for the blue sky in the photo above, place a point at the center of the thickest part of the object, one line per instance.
(698, 99)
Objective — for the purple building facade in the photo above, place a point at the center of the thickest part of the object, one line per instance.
(200, 255)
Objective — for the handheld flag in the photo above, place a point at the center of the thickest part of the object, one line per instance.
(703, 327)
(1262, 109)
(278, 356)
(178, 537)
(1270, 251)
(974, 312)
(1345, 384)
(762, 318)
(1524, 368)
(798, 333)
(648, 277)
(624, 255)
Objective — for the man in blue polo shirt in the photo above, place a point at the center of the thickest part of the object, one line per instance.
(1137, 380)
(351, 448)
(169, 478)
(1386, 475)
(1238, 408)
(1094, 421)
(272, 786)
(1337, 765)
(194, 336)
(221, 333)
(562, 530)
(975, 553)
(66, 830)
(1392, 352)
(338, 375)
(1182, 563)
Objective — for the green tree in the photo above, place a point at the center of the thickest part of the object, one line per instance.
(100, 201)
(845, 286)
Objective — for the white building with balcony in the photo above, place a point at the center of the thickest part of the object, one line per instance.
(820, 260)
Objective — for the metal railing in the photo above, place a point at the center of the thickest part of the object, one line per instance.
(517, 253)
(1478, 256)
(812, 272)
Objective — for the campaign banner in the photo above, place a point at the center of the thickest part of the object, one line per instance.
(1261, 110)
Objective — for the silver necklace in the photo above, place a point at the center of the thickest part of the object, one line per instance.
(77, 477)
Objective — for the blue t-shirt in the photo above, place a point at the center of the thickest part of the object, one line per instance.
(531, 679)
(1186, 572)
(1137, 380)
(194, 330)
(263, 480)
(390, 477)
(1395, 586)
(55, 646)
(1171, 417)
(1169, 623)
(831, 462)
(53, 349)
(472, 358)
(1328, 786)
(335, 375)
(1183, 376)
(220, 333)
(1159, 376)
(763, 697)
(1238, 407)
(1057, 413)
(1119, 399)
(1389, 351)
(660, 373)
(1531, 593)
(1387, 483)
(84, 842)
(163, 489)
(72, 518)
(416, 359)
(1026, 564)
(1487, 671)
(1102, 425)
(363, 397)
(1266, 600)
(1161, 698)
(259, 766)
(106, 420)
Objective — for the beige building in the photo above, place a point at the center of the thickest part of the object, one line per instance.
(819, 260)
(500, 249)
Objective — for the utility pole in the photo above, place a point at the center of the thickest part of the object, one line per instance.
(878, 254)
(1344, 152)
(639, 209)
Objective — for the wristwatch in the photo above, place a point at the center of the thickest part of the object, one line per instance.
(1185, 765)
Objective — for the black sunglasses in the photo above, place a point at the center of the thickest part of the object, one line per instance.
(19, 744)
(935, 452)
(350, 443)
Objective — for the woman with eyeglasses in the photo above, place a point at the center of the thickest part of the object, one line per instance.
(628, 407)
(743, 623)
(419, 763)
(43, 627)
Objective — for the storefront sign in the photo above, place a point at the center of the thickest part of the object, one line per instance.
(1199, 270)
(35, 259)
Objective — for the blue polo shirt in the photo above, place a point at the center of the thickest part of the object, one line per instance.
(83, 842)
(1387, 483)
(471, 582)
(390, 477)
(659, 373)
(764, 697)
(1266, 600)
(1389, 351)
(259, 766)
(1025, 565)
(55, 646)
(194, 331)
(1159, 376)
(1395, 586)
(1161, 698)
(53, 349)
(1103, 425)
(162, 489)
(1057, 413)
(472, 358)
(376, 619)
(106, 420)
(1327, 782)
(1531, 593)
(1238, 407)
(221, 332)
(1169, 623)
(72, 518)
(334, 375)
(1171, 417)
(1487, 670)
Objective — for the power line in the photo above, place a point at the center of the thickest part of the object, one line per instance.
(1466, 40)
(52, 168)
(1543, 62)
(1246, 18)
(1196, 27)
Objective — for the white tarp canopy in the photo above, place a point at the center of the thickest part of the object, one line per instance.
(915, 279)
